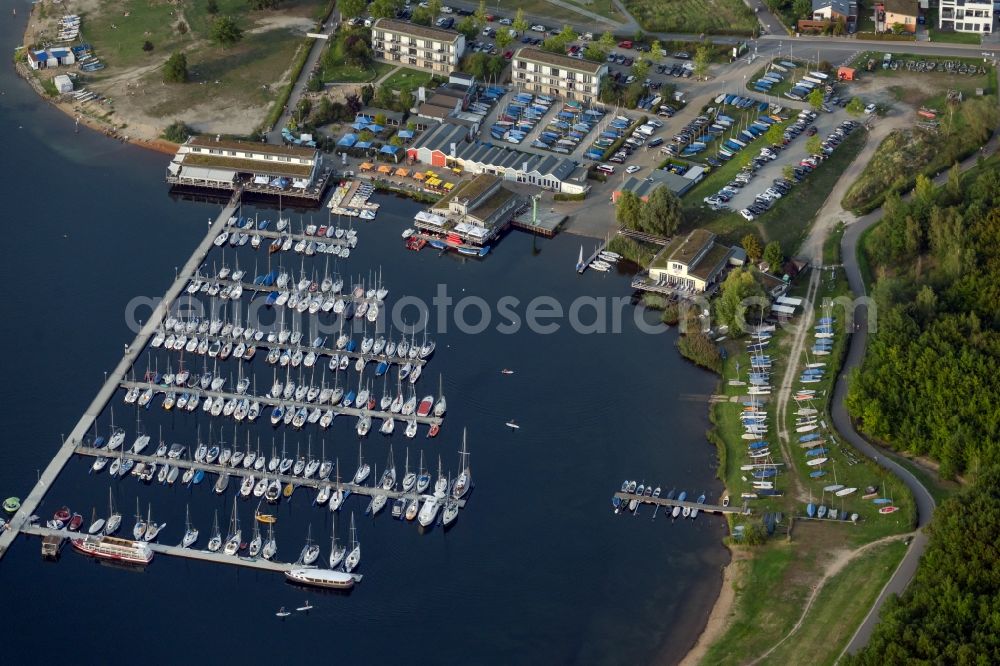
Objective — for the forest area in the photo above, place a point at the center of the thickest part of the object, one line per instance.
(931, 375)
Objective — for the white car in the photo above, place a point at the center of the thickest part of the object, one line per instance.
(633, 168)
(870, 109)
(506, 21)
(747, 215)
(445, 9)
(538, 27)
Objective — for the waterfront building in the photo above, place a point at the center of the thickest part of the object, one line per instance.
(693, 262)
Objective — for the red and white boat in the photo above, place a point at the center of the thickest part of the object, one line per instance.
(75, 522)
(62, 515)
(113, 548)
(425, 406)
(888, 509)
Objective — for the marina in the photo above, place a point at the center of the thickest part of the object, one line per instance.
(669, 502)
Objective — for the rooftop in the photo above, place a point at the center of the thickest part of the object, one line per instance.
(252, 146)
(425, 31)
(469, 189)
(493, 203)
(842, 7)
(712, 259)
(248, 166)
(694, 243)
(562, 61)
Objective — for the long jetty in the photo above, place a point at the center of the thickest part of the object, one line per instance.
(663, 501)
(275, 402)
(190, 553)
(242, 473)
(29, 504)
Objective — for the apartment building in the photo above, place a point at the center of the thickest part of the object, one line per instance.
(547, 73)
(966, 16)
(417, 46)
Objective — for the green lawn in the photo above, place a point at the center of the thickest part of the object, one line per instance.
(405, 77)
(953, 37)
(354, 73)
(117, 39)
(559, 15)
(839, 608)
(603, 7)
(693, 16)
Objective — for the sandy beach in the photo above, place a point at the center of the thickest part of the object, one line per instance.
(718, 619)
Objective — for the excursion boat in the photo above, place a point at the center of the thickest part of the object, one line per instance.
(114, 548)
(327, 578)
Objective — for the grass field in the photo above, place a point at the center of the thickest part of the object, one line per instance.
(953, 37)
(353, 73)
(213, 73)
(411, 78)
(693, 16)
(839, 608)
(559, 15)
(117, 39)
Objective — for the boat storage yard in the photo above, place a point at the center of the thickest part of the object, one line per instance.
(272, 394)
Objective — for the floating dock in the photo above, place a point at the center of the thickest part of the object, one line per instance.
(587, 262)
(663, 501)
(544, 224)
(242, 472)
(29, 504)
(274, 402)
(179, 551)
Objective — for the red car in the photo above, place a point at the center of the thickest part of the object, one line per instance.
(508, 55)
(625, 44)
(491, 18)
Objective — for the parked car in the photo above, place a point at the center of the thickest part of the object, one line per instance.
(445, 9)
(508, 55)
(506, 21)
(538, 27)
(870, 109)
(633, 168)
(625, 44)
(747, 215)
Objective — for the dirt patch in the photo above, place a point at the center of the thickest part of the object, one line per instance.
(298, 23)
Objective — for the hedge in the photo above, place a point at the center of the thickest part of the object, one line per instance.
(885, 37)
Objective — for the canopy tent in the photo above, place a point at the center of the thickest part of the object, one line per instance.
(449, 186)
(418, 176)
(401, 172)
(348, 140)
(471, 230)
(405, 134)
(367, 166)
(372, 127)
(363, 144)
(430, 218)
(389, 149)
(359, 126)
(385, 168)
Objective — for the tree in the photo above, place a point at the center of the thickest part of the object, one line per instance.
(567, 35)
(405, 99)
(175, 70)
(751, 244)
(815, 99)
(147, 46)
(802, 8)
(495, 65)
(773, 256)
(212, 7)
(434, 7)
(475, 65)
(520, 23)
(351, 8)
(480, 14)
(734, 302)
(855, 107)
(365, 135)
(814, 146)
(640, 68)
(655, 49)
(314, 84)
(661, 213)
(177, 132)
(775, 134)
(628, 210)
(385, 8)
(226, 32)
(503, 38)
(385, 96)
(395, 141)
(607, 40)
(702, 59)
(595, 53)
(421, 16)
(840, 26)
(467, 26)
(262, 4)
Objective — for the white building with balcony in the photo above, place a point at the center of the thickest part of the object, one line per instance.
(417, 46)
(966, 16)
(548, 73)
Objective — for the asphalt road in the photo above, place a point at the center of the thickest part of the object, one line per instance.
(856, 350)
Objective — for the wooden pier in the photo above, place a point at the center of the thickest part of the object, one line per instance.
(240, 473)
(190, 553)
(290, 288)
(273, 233)
(275, 402)
(643, 236)
(663, 501)
(29, 504)
(600, 248)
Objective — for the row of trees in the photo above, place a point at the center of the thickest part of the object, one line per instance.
(949, 613)
(660, 214)
(931, 374)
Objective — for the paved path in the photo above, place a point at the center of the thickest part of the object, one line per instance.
(299, 87)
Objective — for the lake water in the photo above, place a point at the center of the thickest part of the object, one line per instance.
(537, 568)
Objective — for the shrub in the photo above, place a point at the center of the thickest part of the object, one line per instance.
(175, 69)
(177, 131)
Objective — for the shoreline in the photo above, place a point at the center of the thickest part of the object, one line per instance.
(722, 609)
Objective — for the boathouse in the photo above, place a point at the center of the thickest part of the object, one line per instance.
(226, 164)
(475, 211)
(694, 262)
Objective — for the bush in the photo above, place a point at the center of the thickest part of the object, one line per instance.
(671, 314)
(226, 32)
(632, 250)
(885, 37)
(147, 46)
(562, 196)
(175, 69)
(177, 132)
